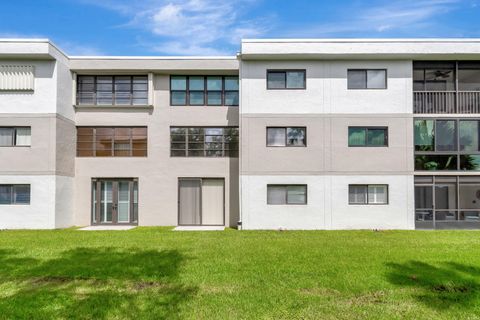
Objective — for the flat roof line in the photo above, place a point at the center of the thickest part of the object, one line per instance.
(363, 40)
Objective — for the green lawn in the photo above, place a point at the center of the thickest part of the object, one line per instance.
(156, 273)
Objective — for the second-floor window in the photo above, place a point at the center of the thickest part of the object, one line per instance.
(112, 90)
(15, 136)
(111, 141)
(204, 142)
(286, 137)
(367, 78)
(367, 136)
(204, 90)
(447, 144)
(286, 79)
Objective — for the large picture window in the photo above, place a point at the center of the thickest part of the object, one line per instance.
(15, 136)
(111, 141)
(14, 194)
(204, 91)
(204, 141)
(112, 90)
(286, 137)
(447, 144)
(286, 194)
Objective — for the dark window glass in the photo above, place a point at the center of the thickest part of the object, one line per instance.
(468, 134)
(446, 135)
(204, 90)
(204, 142)
(423, 197)
(288, 79)
(367, 137)
(286, 137)
(424, 132)
(470, 162)
(15, 194)
(112, 90)
(435, 162)
(433, 76)
(111, 142)
(367, 79)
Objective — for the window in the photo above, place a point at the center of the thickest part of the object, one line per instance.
(447, 144)
(367, 79)
(111, 142)
(368, 194)
(204, 142)
(286, 137)
(434, 76)
(286, 194)
(17, 78)
(112, 90)
(286, 79)
(14, 194)
(15, 136)
(367, 136)
(204, 90)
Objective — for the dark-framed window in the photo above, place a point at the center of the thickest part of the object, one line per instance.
(14, 194)
(447, 144)
(286, 194)
(204, 141)
(112, 141)
(368, 136)
(367, 78)
(15, 136)
(106, 90)
(204, 90)
(434, 76)
(368, 194)
(286, 136)
(286, 79)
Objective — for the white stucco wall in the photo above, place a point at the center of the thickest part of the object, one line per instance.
(327, 206)
(40, 213)
(326, 90)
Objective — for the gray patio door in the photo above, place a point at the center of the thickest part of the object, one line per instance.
(114, 201)
(201, 201)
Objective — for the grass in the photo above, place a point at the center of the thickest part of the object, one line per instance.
(154, 273)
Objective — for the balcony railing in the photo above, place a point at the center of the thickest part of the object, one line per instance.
(446, 102)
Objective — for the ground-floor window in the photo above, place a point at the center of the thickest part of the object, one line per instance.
(115, 201)
(14, 194)
(447, 202)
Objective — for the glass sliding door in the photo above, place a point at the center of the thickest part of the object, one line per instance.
(114, 201)
(201, 201)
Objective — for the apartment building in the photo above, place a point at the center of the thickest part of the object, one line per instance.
(294, 134)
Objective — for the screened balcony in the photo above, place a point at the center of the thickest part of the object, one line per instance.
(446, 87)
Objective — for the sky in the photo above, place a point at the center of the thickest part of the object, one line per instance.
(215, 27)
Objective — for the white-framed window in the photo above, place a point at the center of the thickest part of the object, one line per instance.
(15, 136)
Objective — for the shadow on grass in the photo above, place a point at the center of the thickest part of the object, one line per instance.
(93, 283)
(449, 285)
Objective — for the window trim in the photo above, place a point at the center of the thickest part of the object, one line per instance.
(13, 192)
(366, 78)
(285, 71)
(366, 198)
(286, 138)
(94, 142)
(205, 91)
(386, 145)
(186, 142)
(286, 194)
(14, 142)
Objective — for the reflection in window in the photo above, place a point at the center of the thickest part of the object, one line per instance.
(367, 136)
(204, 90)
(204, 142)
(288, 79)
(286, 137)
